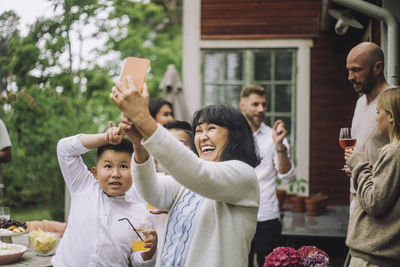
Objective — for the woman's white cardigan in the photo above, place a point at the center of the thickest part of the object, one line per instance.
(228, 215)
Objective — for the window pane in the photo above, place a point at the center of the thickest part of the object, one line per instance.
(262, 66)
(214, 67)
(234, 66)
(283, 66)
(213, 95)
(233, 95)
(267, 89)
(226, 71)
(283, 98)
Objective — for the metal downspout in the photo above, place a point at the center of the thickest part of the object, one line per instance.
(393, 33)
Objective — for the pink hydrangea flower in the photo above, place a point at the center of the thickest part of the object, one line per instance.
(283, 256)
(316, 260)
(304, 251)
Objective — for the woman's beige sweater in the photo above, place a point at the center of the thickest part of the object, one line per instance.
(228, 216)
(374, 226)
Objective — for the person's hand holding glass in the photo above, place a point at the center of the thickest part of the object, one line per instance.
(347, 142)
(145, 239)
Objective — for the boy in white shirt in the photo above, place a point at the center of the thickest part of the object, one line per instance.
(99, 198)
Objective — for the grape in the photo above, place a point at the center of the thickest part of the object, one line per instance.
(4, 223)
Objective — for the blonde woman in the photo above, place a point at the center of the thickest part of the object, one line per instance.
(374, 227)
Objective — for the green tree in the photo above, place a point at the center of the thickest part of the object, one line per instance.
(61, 92)
(145, 30)
(9, 22)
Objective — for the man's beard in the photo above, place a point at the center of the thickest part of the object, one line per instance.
(255, 120)
(369, 84)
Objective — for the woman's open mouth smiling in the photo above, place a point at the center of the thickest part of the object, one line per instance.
(207, 149)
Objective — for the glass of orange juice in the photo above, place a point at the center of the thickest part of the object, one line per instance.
(138, 243)
(139, 237)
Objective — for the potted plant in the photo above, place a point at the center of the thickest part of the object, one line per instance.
(297, 187)
(316, 204)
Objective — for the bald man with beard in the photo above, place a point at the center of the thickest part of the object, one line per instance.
(365, 64)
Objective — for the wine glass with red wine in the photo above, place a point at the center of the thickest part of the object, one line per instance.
(346, 141)
(345, 138)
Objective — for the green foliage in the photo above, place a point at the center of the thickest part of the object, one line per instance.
(318, 195)
(32, 213)
(60, 95)
(8, 29)
(24, 57)
(143, 32)
(298, 186)
(39, 118)
(33, 174)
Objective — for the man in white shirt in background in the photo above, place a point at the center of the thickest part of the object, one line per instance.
(5, 143)
(273, 148)
(5, 151)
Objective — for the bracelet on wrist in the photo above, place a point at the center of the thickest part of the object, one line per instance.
(281, 150)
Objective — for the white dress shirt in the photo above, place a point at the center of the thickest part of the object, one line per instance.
(4, 138)
(94, 236)
(267, 173)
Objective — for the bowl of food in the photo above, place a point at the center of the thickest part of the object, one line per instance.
(11, 228)
(44, 243)
(11, 252)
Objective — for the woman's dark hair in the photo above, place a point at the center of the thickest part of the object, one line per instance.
(155, 105)
(241, 144)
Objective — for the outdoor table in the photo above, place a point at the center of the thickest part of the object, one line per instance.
(29, 258)
(332, 223)
(326, 231)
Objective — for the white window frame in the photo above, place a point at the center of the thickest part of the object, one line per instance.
(191, 73)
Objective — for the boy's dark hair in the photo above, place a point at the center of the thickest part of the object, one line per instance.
(180, 125)
(241, 145)
(184, 126)
(155, 104)
(124, 146)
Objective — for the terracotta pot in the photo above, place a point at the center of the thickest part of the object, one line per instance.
(324, 203)
(298, 204)
(313, 206)
(281, 195)
(316, 205)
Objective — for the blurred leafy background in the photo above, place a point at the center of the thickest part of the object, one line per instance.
(47, 92)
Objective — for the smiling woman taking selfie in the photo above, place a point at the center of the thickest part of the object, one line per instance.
(212, 197)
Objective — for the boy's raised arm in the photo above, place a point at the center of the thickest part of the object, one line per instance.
(113, 136)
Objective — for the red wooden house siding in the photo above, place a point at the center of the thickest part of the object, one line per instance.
(332, 97)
